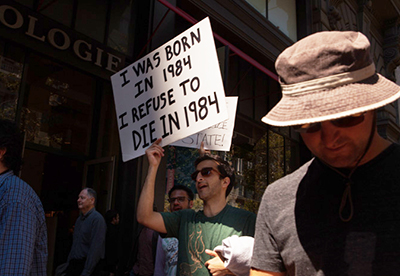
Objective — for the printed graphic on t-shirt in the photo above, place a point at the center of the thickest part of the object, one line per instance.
(196, 248)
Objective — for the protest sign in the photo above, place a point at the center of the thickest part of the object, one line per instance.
(173, 92)
(217, 137)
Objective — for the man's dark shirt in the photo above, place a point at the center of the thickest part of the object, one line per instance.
(89, 240)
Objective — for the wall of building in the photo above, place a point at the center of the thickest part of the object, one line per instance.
(379, 21)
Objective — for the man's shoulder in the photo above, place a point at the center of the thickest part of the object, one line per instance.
(97, 216)
(294, 177)
(286, 187)
(182, 214)
(240, 213)
(15, 190)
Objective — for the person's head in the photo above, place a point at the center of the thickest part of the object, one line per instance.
(112, 217)
(213, 176)
(180, 197)
(329, 93)
(10, 145)
(87, 200)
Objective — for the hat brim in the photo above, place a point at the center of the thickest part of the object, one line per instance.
(318, 106)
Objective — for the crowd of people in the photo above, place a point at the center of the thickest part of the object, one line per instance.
(338, 214)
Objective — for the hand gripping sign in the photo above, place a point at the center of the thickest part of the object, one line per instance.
(173, 92)
(217, 137)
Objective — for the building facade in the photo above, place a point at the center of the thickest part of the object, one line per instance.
(56, 59)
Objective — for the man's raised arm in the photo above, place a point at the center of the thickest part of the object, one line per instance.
(145, 214)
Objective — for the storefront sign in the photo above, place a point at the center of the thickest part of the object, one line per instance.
(173, 92)
(217, 137)
(39, 29)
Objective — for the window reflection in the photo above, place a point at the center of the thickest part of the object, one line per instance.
(276, 156)
(108, 138)
(283, 15)
(10, 80)
(120, 36)
(57, 110)
(271, 157)
(11, 68)
(259, 5)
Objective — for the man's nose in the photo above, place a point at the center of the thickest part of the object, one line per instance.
(199, 177)
(329, 134)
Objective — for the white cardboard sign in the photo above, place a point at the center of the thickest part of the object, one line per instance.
(173, 92)
(217, 137)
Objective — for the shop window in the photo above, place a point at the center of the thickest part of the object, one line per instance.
(281, 13)
(259, 163)
(11, 58)
(60, 11)
(276, 156)
(91, 18)
(57, 108)
(257, 92)
(259, 5)
(107, 138)
(120, 33)
(291, 155)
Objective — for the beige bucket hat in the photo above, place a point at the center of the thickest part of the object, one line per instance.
(326, 76)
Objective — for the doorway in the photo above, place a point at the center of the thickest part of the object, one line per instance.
(99, 175)
(57, 180)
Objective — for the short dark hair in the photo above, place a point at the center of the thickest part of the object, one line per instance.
(92, 193)
(225, 169)
(110, 215)
(11, 140)
(184, 188)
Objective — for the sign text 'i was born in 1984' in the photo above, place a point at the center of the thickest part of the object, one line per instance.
(173, 92)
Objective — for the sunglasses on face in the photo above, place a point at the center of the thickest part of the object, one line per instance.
(349, 121)
(180, 199)
(204, 172)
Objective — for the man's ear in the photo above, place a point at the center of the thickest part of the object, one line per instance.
(191, 204)
(226, 182)
(2, 152)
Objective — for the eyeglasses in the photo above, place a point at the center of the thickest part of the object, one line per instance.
(180, 199)
(349, 121)
(204, 172)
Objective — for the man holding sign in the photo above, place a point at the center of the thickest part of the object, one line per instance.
(198, 232)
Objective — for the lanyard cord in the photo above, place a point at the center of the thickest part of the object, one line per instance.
(347, 191)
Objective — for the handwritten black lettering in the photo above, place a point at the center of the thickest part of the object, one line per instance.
(121, 117)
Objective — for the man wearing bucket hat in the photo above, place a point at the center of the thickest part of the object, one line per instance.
(339, 214)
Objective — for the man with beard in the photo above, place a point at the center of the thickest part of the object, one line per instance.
(180, 197)
(339, 214)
